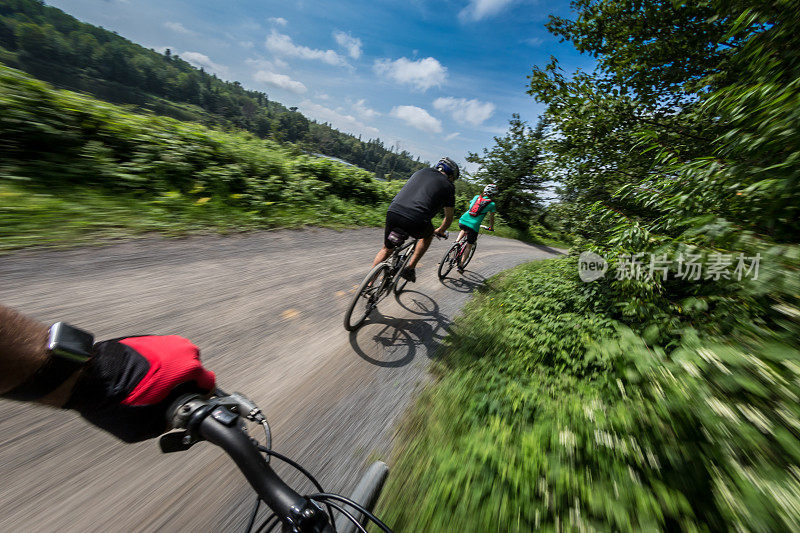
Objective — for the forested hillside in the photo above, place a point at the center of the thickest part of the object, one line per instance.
(58, 48)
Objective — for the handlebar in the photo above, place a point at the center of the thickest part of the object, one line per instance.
(216, 420)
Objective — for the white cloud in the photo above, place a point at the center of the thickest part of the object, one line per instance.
(178, 27)
(349, 43)
(452, 136)
(279, 43)
(281, 81)
(534, 41)
(246, 44)
(465, 111)
(363, 111)
(278, 21)
(263, 64)
(337, 118)
(417, 117)
(470, 168)
(422, 73)
(480, 9)
(201, 60)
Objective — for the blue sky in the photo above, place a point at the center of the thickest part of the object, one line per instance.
(432, 77)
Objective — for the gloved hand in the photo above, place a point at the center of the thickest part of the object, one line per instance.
(130, 382)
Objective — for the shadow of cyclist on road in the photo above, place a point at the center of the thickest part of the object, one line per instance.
(469, 281)
(393, 342)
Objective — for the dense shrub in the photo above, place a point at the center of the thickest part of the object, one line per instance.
(550, 414)
(77, 150)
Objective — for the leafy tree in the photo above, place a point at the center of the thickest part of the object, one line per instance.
(514, 164)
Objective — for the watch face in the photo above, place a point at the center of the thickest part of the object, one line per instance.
(70, 342)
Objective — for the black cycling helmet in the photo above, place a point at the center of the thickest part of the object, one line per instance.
(449, 167)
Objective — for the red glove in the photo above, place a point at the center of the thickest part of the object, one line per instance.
(129, 383)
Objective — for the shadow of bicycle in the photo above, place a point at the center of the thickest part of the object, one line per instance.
(469, 281)
(392, 342)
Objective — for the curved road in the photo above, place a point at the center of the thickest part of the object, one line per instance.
(266, 309)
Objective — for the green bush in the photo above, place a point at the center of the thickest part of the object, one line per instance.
(93, 163)
(550, 414)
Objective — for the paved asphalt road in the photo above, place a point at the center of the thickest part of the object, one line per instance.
(266, 310)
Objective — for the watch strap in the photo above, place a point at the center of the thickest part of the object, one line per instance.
(52, 374)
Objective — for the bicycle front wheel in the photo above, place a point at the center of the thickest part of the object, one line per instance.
(369, 293)
(469, 258)
(447, 262)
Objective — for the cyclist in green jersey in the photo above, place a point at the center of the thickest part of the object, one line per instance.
(470, 221)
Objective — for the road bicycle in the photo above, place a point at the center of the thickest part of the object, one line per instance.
(220, 421)
(455, 256)
(382, 280)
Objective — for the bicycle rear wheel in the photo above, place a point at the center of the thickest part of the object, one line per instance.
(447, 262)
(372, 289)
(469, 258)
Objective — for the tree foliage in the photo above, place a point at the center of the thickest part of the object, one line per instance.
(684, 140)
(514, 163)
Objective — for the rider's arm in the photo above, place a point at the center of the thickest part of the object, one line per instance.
(448, 219)
(491, 221)
(124, 387)
(23, 351)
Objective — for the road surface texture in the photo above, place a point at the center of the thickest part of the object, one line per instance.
(266, 309)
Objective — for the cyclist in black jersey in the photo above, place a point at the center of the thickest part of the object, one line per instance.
(425, 193)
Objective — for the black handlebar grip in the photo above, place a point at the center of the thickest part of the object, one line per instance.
(230, 436)
(223, 428)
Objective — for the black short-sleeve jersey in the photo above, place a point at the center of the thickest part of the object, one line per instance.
(425, 193)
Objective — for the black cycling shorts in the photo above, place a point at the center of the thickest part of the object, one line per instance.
(419, 229)
(472, 235)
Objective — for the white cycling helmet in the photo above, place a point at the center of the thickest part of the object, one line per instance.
(490, 190)
(449, 167)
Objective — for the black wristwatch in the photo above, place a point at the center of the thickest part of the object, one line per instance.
(70, 348)
(70, 343)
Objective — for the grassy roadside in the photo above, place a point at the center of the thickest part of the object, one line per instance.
(533, 235)
(481, 444)
(548, 413)
(75, 217)
(68, 217)
(74, 169)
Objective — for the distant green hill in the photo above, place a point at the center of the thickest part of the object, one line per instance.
(56, 47)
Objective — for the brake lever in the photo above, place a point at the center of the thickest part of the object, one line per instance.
(176, 441)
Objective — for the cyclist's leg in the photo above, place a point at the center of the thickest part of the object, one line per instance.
(382, 255)
(388, 246)
(424, 232)
(472, 238)
(419, 251)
